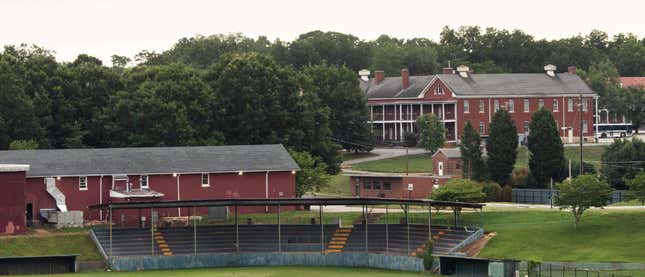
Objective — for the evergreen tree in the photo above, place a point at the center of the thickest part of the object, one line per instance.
(546, 158)
(471, 154)
(432, 134)
(501, 147)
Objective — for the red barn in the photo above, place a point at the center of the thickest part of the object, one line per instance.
(73, 179)
(463, 96)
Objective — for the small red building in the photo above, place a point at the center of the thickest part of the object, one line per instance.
(446, 164)
(73, 179)
(461, 96)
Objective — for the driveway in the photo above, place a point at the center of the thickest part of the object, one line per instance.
(386, 153)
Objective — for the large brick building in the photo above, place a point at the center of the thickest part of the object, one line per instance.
(457, 97)
(34, 181)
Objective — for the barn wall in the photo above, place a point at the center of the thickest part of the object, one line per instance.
(12, 203)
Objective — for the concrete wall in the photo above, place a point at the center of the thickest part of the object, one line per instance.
(12, 203)
(267, 259)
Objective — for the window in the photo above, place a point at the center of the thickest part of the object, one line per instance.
(540, 104)
(496, 105)
(458, 165)
(143, 182)
(377, 185)
(555, 105)
(206, 180)
(367, 185)
(481, 106)
(438, 90)
(82, 183)
(482, 128)
(511, 106)
(584, 105)
(526, 127)
(569, 105)
(526, 105)
(584, 126)
(466, 106)
(387, 186)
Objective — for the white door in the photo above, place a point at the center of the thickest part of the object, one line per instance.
(440, 168)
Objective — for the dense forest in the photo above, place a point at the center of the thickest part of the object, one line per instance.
(232, 89)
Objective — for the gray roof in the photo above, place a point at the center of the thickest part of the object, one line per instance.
(392, 87)
(450, 152)
(152, 160)
(505, 84)
(515, 84)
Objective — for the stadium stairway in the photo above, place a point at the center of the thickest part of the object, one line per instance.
(339, 239)
(161, 242)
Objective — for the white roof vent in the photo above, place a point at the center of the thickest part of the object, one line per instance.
(365, 74)
(550, 70)
(463, 71)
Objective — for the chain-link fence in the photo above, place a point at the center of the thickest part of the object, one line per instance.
(553, 270)
(543, 196)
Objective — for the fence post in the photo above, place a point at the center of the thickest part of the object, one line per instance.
(575, 272)
(550, 270)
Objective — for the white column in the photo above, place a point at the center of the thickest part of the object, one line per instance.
(421, 109)
(565, 109)
(597, 117)
(371, 113)
(456, 124)
(443, 111)
(400, 121)
(383, 116)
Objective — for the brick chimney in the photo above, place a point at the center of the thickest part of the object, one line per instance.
(448, 70)
(572, 69)
(379, 75)
(405, 78)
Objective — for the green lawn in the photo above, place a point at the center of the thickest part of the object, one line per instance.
(417, 164)
(72, 243)
(338, 185)
(352, 155)
(603, 236)
(590, 153)
(253, 272)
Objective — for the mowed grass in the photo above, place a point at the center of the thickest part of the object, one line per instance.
(548, 235)
(254, 272)
(590, 153)
(418, 163)
(338, 185)
(422, 163)
(58, 244)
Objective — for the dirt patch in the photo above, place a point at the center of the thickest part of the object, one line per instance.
(473, 249)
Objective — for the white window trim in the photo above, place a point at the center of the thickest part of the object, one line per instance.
(556, 105)
(540, 103)
(466, 106)
(527, 105)
(481, 106)
(147, 186)
(510, 105)
(208, 179)
(79, 183)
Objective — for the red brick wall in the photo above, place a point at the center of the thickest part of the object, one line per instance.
(422, 186)
(451, 167)
(12, 203)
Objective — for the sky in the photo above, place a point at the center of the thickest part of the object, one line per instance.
(103, 28)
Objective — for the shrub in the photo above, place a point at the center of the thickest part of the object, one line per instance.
(459, 190)
(428, 260)
(410, 139)
(492, 190)
(507, 194)
(520, 177)
(588, 168)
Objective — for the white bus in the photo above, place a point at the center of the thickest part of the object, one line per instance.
(614, 130)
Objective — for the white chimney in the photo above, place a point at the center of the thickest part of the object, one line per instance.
(550, 70)
(463, 71)
(365, 74)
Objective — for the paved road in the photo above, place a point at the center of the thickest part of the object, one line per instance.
(386, 153)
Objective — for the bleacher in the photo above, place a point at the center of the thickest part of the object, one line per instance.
(264, 238)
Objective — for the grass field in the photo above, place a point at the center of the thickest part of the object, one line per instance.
(338, 185)
(55, 244)
(254, 272)
(422, 163)
(417, 163)
(351, 155)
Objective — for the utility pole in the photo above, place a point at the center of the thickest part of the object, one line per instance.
(581, 165)
(406, 161)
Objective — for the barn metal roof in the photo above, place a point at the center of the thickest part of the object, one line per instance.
(325, 201)
(152, 160)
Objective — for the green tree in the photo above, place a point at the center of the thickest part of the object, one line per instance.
(501, 147)
(546, 151)
(473, 166)
(312, 175)
(621, 161)
(432, 134)
(120, 61)
(459, 190)
(632, 103)
(337, 88)
(23, 145)
(582, 193)
(637, 188)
